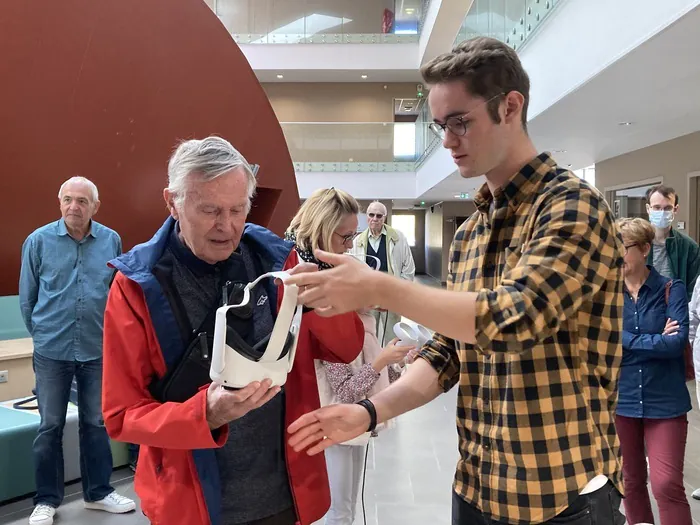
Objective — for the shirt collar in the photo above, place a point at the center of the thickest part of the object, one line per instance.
(654, 280)
(63, 231)
(520, 185)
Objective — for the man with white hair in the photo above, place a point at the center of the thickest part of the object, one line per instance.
(63, 286)
(210, 455)
(391, 248)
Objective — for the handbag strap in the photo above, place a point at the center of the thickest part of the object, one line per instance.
(668, 291)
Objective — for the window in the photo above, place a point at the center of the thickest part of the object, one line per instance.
(404, 140)
(406, 224)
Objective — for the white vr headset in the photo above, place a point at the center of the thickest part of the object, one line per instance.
(235, 363)
(412, 334)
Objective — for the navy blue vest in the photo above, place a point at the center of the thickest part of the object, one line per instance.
(380, 254)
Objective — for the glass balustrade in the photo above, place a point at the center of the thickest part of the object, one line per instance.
(356, 146)
(321, 21)
(510, 21)
(426, 140)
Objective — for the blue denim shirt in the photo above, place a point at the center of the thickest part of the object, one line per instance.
(652, 380)
(63, 287)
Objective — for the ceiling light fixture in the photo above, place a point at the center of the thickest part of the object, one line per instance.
(364, 76)
(280, 76)
(625, 123)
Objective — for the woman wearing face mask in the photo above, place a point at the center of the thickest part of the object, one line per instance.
(328, 220)
(653, 399)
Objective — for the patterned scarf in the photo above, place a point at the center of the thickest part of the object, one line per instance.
(305, 255)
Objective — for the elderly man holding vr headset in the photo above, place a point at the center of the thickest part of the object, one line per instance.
(197, 302)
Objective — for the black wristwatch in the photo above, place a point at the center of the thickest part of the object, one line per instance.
(369, 406)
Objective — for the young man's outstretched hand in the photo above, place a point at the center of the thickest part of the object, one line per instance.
(347, 287)
(327, 426)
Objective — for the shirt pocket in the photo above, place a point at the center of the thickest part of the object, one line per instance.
(99, 274)
(53, 280)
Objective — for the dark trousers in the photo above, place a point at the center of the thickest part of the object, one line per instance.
(664, 442)
(597, 508)
(53, 384)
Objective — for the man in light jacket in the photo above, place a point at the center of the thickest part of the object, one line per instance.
(694, 312)
(391, 248)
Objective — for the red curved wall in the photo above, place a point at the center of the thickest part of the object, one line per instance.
(105, 89)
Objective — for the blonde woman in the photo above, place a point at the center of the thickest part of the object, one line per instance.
(328, 220)
(653, 399)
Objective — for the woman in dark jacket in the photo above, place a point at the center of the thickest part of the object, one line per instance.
(653, 399)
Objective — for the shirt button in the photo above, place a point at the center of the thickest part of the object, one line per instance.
(640, 386)
(640, 369)
(641, 402)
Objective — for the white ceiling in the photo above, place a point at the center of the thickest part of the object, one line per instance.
(654, 87)
(339, 75)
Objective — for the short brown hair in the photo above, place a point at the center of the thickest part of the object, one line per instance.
(666, 191)
(637, 230)
(488, 68)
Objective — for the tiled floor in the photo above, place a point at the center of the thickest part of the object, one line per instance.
(409, 475)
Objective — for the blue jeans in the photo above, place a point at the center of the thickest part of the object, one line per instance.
(53, 384)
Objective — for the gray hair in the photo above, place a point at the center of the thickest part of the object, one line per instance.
(210, 157)
(381, 204)
(81, 180)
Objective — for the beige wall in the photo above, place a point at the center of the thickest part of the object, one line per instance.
(368, 106)
(671, 161)
(263, 16)
(336, 102)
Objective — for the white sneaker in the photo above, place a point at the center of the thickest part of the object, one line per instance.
(113, 503)
(43, 515)
(696, 494)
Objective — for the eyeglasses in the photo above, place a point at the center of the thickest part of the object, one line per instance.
(628, 246)
(660, 208)
(457, 125)
(375, 215)
(349, 237)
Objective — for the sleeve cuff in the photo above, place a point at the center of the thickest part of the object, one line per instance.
(495, 312)
(443, 362)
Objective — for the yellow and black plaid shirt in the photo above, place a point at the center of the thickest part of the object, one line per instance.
(537, 393)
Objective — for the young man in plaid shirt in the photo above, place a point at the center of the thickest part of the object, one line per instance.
(529, 327)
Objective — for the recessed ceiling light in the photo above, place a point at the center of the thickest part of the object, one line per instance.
(625, 123)
(364, 76)
(280, 76)
(410, 10)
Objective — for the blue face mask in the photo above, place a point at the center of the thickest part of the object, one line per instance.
(660, 218)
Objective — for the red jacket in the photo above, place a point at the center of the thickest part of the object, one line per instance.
(173, 479)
